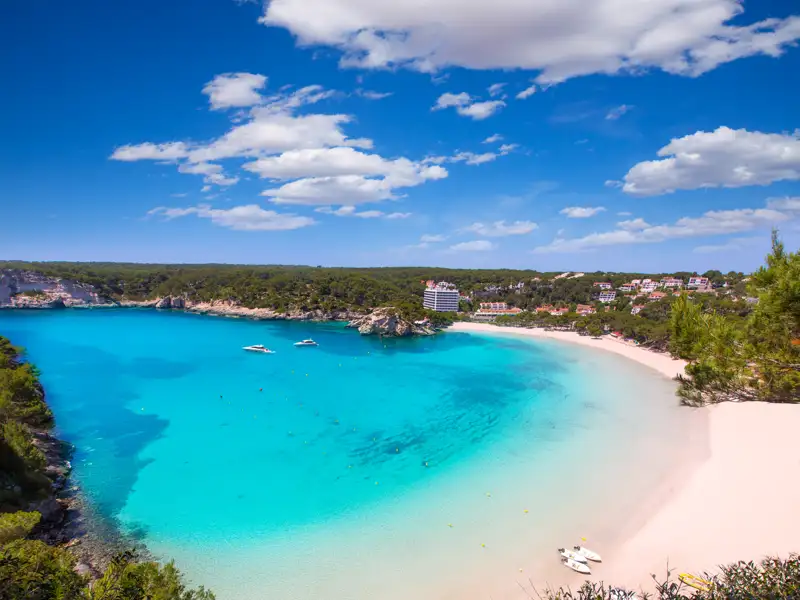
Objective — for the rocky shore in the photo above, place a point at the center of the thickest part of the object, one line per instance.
(67, 519)
(386, 321)
(226, 308)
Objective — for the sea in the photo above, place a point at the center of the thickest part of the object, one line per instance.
(440, 467)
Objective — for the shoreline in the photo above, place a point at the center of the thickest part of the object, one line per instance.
(706, 513)
(661, 362)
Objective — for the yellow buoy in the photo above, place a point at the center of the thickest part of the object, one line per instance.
(525, 511)
(449, 524)
(376, 483)
(483, 545)
(488, 495)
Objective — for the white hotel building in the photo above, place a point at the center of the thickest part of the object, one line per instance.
(441, 299)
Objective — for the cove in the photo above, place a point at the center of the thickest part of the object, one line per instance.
(363, 468)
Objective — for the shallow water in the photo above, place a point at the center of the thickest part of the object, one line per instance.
(364, 468)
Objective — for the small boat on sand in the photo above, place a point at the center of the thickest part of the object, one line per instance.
(593, 556)
(576, 566)
(306, 343)
(572, 555)
(258, 348)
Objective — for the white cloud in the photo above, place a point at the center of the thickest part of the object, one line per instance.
(581, 212)
(789, 204)
(448, 100)
(466, 107)
(474, 246)
(722, 158)
(616, 112)
(350, 211)
(624, 213)
(432, 239)
(729, 246)
(150, 151)
(560, 40)
(715, 222)
(179, 195)
(352, 189)
(310, 148)
(241, 218)
(231, 90)
(471, 158)
(493, 139)
(205, 188)
(212, 173)
(496, 89)
(371, 95)
(501, 229)
(527, 92)
(633, 224)
(481, 110)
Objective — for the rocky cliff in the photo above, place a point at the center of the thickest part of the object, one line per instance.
(26, 289)
(386, 321)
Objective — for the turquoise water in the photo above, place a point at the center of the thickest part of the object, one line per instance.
(339, 469)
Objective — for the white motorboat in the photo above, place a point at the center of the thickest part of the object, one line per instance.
(593, 556)
(572, 555)
(576, 566)
(259, 348)
(306, 343)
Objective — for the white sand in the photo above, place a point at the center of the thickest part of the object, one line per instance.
(740, 501)
(663, 363)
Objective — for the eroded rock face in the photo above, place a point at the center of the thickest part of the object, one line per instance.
(386, 321)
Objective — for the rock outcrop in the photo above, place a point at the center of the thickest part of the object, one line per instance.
(386, 321)
(26, 289)
(177, 302)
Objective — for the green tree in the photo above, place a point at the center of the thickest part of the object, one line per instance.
(757, 358)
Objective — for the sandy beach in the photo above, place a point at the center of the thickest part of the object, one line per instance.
(738, 502)
(663, 363)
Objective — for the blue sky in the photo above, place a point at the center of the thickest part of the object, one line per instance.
(581, 135)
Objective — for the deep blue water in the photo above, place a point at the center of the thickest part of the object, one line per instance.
(192, 444)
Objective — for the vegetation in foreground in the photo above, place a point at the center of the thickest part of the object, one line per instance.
(771, 579)
(31, 569)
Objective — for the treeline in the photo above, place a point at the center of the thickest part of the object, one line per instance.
(285, 288)
(31, 569)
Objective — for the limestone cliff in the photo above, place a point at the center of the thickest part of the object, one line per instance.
(386, 321)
